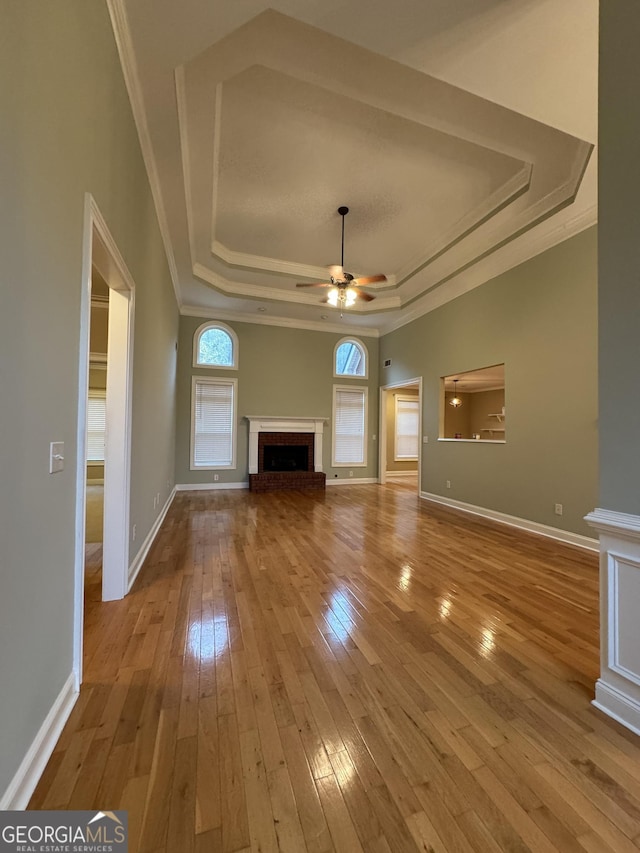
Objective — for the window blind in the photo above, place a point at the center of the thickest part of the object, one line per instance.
(96, 422)
(349, 427)
(213, 424)
(407, 425)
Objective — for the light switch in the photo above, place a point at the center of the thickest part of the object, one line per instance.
(425, 439)
(56, 456)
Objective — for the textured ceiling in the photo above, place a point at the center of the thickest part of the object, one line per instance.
(256, 125)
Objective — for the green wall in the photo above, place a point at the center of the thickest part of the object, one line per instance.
(619, 256)
(540, 319)
(67, 129)
(282, 372)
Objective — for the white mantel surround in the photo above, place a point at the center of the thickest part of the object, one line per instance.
(273, 424)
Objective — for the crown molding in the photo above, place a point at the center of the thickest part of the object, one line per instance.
(261, 263)
(285, 322)
(471, 221)
(504, 259)
(122, 35)
(181, 104)
(273, 294)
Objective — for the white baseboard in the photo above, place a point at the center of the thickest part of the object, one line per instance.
(351, 481)
(97, 482)
(23, 784)
(205, 487)
(620, 706)
(140, 557)
(546, 530)
(401, 473)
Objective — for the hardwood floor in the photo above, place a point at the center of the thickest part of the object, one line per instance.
(348, 671)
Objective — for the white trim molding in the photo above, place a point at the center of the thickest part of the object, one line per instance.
(352, 481)
(140, 557)
(24, 782)
(208, 487)
(546, 530)
(618, 688)
(283, 322)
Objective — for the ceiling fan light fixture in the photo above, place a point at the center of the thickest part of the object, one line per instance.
(333, 297)
(455, 401)
(350, 297)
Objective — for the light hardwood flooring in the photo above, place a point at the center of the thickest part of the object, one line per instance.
(348, 671)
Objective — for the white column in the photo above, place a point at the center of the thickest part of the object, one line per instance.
(254, 430)
(618, 688)
(317, 446)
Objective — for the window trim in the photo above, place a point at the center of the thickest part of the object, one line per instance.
(365, 437)
(405, 398)
(211, 380)
(215, 324)
(351, 340)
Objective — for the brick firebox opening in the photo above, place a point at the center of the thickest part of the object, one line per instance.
(285, 439)
(294, 475)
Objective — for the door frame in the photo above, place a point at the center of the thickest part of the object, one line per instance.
(382, 431)
(99, 249)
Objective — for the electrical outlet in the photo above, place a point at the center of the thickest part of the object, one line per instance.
(216, 477)
(158, 499)
(133, 532)
(448, 484)
(351, 473)
(558, 509)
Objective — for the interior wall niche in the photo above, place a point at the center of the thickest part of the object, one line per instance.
(472, 406)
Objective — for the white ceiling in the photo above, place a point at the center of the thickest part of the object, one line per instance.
(457, 131)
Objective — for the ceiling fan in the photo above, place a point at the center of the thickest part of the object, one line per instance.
(345, 288)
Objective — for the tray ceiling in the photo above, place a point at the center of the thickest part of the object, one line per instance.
(277, 123)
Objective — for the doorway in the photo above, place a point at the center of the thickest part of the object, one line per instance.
(400, 449)
(102, 260)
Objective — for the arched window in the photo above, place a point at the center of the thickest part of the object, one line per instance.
(350, 358)
(215, 345)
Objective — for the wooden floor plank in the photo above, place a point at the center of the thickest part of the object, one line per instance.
(344, 671)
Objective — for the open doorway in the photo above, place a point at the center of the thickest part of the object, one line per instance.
(400, 434)
(104, 266)
(96, 428)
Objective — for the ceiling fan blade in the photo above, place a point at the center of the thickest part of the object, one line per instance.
(362, 295)
(369, 279)
(315, 284)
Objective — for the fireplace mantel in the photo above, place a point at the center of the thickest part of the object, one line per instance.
(284, 424)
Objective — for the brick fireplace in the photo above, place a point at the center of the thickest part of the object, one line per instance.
(285, 453)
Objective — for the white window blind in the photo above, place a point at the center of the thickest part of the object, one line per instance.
(96, 421)
(407, 425)
(213, 422)
(349, 426)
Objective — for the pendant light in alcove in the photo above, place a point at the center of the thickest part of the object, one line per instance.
(455, 401)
